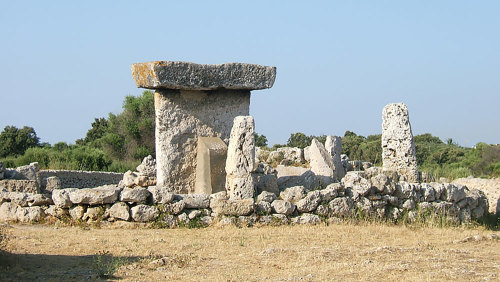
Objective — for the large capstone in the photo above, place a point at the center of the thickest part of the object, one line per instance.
(190, 76)
(192, 101)
(398, 149)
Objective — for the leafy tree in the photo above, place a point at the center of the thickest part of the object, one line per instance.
(427, 138)
(260, 140)
(299, 140)
(97, 131)
(14, 141)
(351, 143)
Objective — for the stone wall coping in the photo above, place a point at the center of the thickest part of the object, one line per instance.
(191, 76)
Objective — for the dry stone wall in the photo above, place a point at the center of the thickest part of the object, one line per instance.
(82, 179)
(370, 194)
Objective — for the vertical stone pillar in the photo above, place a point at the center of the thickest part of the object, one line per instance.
(240, 160)
(398, 149)
(321, 163)
(210, 165)
(191, 101)
(333, 146)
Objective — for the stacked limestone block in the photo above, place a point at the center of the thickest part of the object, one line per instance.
(191, 101)
(370, 194)
(398, 149)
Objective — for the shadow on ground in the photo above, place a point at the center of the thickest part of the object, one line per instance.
(33, 267)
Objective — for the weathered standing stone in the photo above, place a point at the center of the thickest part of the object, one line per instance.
(398, 149)
(240, 161)
(193, 100)
(321, 163)
(333, 146)
(210, 165)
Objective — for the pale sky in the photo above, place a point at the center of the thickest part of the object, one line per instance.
(63, 63)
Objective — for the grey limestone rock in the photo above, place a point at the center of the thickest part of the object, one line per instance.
(310, 202)
(160, 195)
(191, 76)
(266, 182)
(147, 167)
(194, 201)
(266, 197)
(398, 149)
(61, 199)
(52, 183)
(119, 210)
(455, 192)
(232, 207)
(283, 207)
(8, 211)
(106, 194)
(263, 207)
(240, 160)
(56, 211)
(192, 214)
(341, 206)
(134, 195)
(144, 213)
(77, 212)
(289, 176)
(357, 183)
(93, 213)
(29, 214)
(306, 218)
(292, 154)
(333, 146)
(293, 194)
(175, 208)
(321, 163)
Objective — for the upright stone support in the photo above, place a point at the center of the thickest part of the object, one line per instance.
(241, 159)
(191, 101)
(210, 165)
(321, 163)
(398, 149)
(333, 146)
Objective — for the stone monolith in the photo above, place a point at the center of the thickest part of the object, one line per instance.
(333, 146)
(398, 149)
(241, 159)
(191, 101)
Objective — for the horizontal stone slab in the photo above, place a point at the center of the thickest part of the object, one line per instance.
(191, 76)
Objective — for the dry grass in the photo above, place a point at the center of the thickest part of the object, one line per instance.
(310, 253)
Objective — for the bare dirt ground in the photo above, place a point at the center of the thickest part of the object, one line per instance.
(365, 251)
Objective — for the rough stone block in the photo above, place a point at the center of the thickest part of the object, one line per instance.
(191, 76)
(398, 149)
(183, 116)
(210, 165)
(240, 162)
(15, 185)
(333, 146)
(321, 162)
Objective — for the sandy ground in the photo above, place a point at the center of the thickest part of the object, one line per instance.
(285, 253)
(490, 187)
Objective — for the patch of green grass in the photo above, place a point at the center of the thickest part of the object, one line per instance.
(106, 265)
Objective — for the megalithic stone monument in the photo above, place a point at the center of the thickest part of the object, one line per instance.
(398, 149)
(191, 101)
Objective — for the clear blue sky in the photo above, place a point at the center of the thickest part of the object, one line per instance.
(63, 63)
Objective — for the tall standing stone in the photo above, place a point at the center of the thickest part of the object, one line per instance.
(241, 159)
(191, 101)
(398, 149)
(321, 163)
(333, 146)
